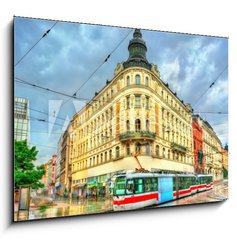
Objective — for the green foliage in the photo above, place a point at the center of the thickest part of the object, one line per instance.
(43, 208)
(225, 173)
(26, 173)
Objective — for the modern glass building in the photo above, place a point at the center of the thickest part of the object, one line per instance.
(21, 119)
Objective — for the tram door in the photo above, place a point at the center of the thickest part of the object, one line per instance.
(165, 189)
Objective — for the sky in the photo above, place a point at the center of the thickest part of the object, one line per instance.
(71, 52)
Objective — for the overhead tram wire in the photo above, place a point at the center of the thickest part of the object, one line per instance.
(43, 36)
(33, 144)
(106, 59)
(44, 121)
(42, 132)
(21, 81)
(32, 109)
(211, 85)
(100, 65)
(213, 112)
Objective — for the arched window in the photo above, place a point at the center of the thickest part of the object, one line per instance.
(128, 125)
(137, 125)
(163, 152)
(147, 103)
(128, 102)
(138, 79)
(110, 154)
(157, 150)
(147, 125)
(117, 152)
(137, 147)
(147, 81)
(128, 149)
(128, 80)
(101, 157)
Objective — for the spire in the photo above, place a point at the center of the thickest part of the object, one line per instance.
(137, 52)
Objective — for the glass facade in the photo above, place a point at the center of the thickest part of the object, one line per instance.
(21, 119)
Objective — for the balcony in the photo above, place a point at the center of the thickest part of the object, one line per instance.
(178, 147)
(137, 135)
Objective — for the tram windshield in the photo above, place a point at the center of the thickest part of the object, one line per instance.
(119, 186)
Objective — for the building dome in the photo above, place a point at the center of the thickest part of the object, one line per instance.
(137, 52)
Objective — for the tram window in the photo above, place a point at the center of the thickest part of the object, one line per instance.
(148, 185)
(119, 186)
(130, 186)
(181, 182)
(193, 181)
(139, 186)
(154, 184)
(174, 184)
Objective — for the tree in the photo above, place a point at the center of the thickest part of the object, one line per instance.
(25, 172)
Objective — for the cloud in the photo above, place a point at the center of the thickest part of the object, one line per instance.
(67, 57)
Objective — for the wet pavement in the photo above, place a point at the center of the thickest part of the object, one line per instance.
(91, 206)
(65, 208)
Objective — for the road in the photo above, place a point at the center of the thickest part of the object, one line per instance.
(90, 206)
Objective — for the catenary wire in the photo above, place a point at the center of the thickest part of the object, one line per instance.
(43, 36)
(211, 85)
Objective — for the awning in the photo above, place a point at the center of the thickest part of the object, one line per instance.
(97, 184)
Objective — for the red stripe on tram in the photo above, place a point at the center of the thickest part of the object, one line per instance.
(185, 191)
(134, 199)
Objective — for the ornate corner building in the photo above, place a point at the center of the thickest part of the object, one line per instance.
(136, 112)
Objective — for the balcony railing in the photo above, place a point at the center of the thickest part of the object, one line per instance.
(135, 135)
(178, 147)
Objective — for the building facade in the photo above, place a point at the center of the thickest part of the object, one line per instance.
(52, 170)
(66, 162)
(44, 179)
(198, 145)
(135, 113)
(57, 178)
(212, 150)
(21, 119)
(225, 161)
